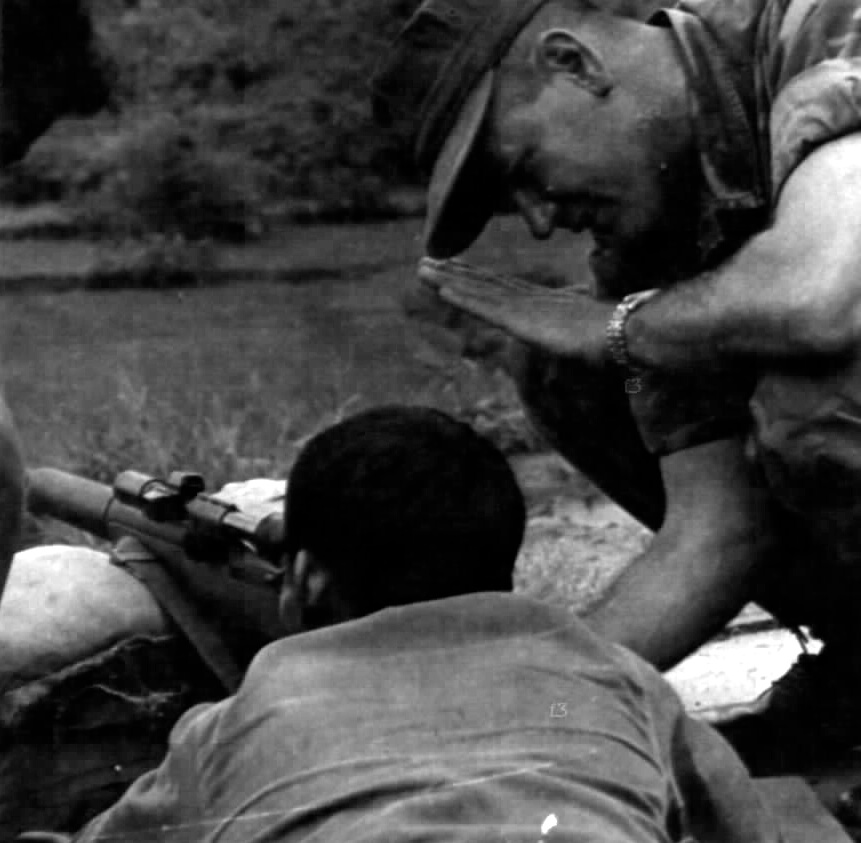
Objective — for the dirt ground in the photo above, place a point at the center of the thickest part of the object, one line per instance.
(577, 540)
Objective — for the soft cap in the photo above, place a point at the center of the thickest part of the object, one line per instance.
(433, 89)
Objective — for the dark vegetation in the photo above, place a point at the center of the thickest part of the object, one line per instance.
(230, 116)
(227, 115)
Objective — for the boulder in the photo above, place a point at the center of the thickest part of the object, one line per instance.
(64, 604)
(93, 677)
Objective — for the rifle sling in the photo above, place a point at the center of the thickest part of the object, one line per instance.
(201, 632)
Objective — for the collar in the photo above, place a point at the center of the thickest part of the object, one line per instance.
(734, 185)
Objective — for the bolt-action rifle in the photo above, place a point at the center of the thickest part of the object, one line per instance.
(227, 561)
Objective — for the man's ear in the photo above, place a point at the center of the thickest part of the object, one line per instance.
(293, 598)
(290, 602)
(560, 51)
(313, 577)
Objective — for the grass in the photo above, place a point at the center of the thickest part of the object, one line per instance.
(230, 380)
(226, 380)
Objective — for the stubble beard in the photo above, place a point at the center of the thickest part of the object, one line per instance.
(659, 256)
(658, 260)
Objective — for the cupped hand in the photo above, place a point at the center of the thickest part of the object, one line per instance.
(563, 321)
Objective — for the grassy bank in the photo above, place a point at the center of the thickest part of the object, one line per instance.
(226, 380)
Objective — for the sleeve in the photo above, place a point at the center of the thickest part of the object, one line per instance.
(162, 806)
(674, 412)
(712, 797)
(719, 803)
(821, 104)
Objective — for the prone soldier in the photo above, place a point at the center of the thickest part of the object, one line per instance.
(420, 699)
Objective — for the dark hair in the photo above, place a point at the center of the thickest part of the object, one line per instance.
(405, 504)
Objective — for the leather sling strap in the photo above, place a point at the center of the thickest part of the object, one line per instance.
(201, 632)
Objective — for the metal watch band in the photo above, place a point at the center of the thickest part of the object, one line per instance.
(617, 344)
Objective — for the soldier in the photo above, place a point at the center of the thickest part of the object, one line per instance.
(427, 703)
(711, 383)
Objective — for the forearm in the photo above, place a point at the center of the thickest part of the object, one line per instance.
(792, 292)
(767, 304)
(676, 596)
(702, 565)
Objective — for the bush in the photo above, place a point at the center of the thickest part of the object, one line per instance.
(260, 104)
(268, 105)
(169, 179)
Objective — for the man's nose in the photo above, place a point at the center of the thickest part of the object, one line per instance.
(539, 213)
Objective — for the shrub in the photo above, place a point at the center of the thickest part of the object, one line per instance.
(170, 179)
(260, 103)
(268, 104)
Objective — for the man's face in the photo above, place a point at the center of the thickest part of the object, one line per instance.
(572, 160)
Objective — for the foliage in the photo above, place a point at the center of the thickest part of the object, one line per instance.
(165, 178)
(225, 108)
(150, 431)
(229, 379)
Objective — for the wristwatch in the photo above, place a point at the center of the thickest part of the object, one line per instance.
(617, 344)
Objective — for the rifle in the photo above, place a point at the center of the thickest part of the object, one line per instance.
(225, 561)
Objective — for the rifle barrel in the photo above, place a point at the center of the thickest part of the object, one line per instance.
(75, 500)
(251, 607)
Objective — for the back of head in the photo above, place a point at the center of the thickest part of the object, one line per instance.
(405, 504)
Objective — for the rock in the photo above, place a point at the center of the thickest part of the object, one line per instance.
(63, 604)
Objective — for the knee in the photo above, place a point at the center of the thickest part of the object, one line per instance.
(11, 488)
(55, 44)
